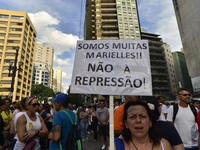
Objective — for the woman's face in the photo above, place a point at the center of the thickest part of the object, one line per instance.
(138, 121)
(40, 108)
(34, 105)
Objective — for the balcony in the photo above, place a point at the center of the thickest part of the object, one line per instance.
(111, 33)
(108, 5)
(110, 38)
(108, 10)
(109, 16)
(109, 21)
(110, 27)
(157, 54)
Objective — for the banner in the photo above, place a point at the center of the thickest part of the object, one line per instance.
(112, 67)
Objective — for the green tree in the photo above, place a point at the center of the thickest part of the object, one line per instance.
(75, 98)
(42, 92)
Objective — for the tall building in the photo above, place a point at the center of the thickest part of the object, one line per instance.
(159, 71)
(45, 54)
(118, 19)
(181, 71)
(170, 66)
(41, 74)
(16, 32)
(57, 78)
(111, 19)
(188, 18)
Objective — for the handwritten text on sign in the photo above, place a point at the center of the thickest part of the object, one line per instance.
(112, 67)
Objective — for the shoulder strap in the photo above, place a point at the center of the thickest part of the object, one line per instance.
(71, 122)
(175, 110)
(194, 111)
(119, 144)
(71, 118)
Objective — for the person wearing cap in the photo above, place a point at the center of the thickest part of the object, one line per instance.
(61, 123)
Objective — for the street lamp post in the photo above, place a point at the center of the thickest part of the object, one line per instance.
(14, 69)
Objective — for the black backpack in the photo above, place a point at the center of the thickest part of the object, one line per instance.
(74, 138)
(175, 109)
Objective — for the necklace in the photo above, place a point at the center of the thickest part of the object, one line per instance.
(135, 145)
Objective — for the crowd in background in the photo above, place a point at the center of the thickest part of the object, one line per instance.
(15, 130)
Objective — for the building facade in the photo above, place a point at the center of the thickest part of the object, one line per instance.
(188, 18)
(45, 54)
(170, 66)
(159, 71)
(17, 44)
(181, 71)
(41, 74)
(118, 19)
(57, 80)
(111, 19)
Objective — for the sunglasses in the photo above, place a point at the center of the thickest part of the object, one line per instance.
(185, 94)
(35, 104)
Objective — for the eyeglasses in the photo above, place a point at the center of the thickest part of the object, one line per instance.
(185, 94)
(35, 104)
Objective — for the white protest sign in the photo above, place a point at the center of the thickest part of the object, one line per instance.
(112, 67)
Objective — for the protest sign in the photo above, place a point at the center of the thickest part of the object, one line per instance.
(112, 67)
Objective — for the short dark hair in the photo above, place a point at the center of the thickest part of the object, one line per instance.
(67, 100)
(182, 89)
(2, 102)
(160, 97)
(153, 132)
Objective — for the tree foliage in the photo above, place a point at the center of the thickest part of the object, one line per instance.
(42, 92)
(76, 98)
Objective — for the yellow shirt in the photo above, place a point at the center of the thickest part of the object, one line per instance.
(7, 117)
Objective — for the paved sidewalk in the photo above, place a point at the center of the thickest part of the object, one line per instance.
(90, 145)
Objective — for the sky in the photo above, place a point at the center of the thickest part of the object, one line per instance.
(60, 23)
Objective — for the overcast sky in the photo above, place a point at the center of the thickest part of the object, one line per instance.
(60, 23)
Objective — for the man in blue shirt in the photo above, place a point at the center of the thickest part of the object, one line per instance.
(61, 124)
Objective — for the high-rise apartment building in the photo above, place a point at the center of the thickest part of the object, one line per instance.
(45, 54)
(57, 78)
(41, 74)
(181, 71)
(188, 18)
(118, 19)
(159, 71)
(17, 38)
(170, 66)
(111, 19)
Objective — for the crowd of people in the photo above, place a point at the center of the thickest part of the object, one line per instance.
(141, 122)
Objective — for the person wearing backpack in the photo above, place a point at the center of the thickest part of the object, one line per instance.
(183, 116)
(62, 124)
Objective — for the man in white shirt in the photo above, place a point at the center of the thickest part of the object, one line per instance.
(185, 121)
(164, 109)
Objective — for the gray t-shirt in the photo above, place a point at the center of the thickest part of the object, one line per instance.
(102, 113)
(83, 115)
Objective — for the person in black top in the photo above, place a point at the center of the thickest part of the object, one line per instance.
(167, 130)
(2, 107)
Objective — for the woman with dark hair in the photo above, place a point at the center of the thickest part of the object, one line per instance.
(30, 125)
(140, 129)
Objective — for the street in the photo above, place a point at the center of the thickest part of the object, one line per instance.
(90, 145)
